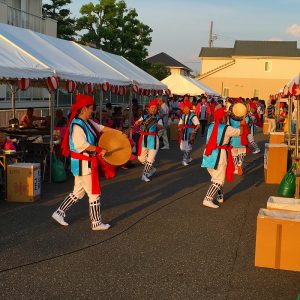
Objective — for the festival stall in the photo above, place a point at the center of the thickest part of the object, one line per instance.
(181, 85)
(277, 244)
(75, 68)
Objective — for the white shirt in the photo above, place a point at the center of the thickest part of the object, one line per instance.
(80, 142)
(164, 112)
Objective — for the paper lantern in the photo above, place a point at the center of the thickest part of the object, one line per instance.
(135, 88)
(52, 83)
(160, 92)
(23, 84)
(154, 92)
(89, 88)
(294, 89)
(122, 90)
(140, 91)
(115, 89)
(70, 86)
(105, 87)
(144, 93)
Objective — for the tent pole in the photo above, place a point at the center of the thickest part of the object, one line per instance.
(130, 106)
(297, 129)
(51, 101)
(101, 103)
(290, 102)
(13, 100)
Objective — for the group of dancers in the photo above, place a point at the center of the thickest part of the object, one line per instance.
(228, 140)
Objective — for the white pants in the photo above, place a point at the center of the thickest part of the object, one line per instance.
(185, 146)
(82, 185)
(163, 133)
(272, 125)
(148, 155)
(218, 175)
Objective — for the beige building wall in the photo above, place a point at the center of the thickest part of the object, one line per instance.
(248, 77)
(208, 64)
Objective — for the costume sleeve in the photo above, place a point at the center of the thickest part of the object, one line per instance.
(97, 126)
(79, 138)
(195, 120)
(180, 121)
(230, 131)
(140, 119)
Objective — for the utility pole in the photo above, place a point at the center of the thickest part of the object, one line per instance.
(210, 37)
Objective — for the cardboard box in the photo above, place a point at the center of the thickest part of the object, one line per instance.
(277, 240)
(275, 162)
(174, 134)
(266, 128)
(23, 182)
(276, 137)
(282, 203)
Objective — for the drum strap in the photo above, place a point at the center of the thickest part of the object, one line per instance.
(95, 176)
(183, 127)
(142, 134)
(230, 164)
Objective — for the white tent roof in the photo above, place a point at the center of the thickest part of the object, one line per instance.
(14, 63)
(181, 85)
(55, 55)
(102, 70)
(125, 67)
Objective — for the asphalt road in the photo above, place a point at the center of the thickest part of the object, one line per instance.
(163, 243)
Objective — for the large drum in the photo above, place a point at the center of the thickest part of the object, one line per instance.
(117, 146)
(239, 111)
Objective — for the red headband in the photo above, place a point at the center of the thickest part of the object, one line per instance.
(80, 102)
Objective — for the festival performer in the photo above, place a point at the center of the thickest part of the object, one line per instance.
(80, 141)
(188, 127)
(150, 124)
(217, 157)
(254, 121)
(239, 144)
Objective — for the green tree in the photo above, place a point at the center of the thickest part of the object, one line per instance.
(65, 23)
(158, 71)
(112, 27)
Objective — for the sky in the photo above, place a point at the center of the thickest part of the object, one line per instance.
(181, 27)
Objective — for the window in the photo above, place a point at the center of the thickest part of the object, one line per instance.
(268, 66)
(225, 92)
(256, 93)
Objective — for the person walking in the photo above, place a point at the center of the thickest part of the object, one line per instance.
(164, 114)
(80, 141)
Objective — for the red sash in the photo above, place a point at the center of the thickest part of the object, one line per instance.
(182, 129)
(95, 176)
(230, 163)
(142, 134)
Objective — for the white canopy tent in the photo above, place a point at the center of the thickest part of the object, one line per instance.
(126, 68)
(181, 85)
(15, 63)
(68, 65)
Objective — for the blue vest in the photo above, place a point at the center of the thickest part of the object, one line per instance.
(235, 141)
(187, 121)
(76, 164)
(212, 161)
(150, 141)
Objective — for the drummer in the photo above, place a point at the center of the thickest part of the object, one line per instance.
(239, 143)
(80, 141)
(188, 127)
(217, 156)
(150, 123)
